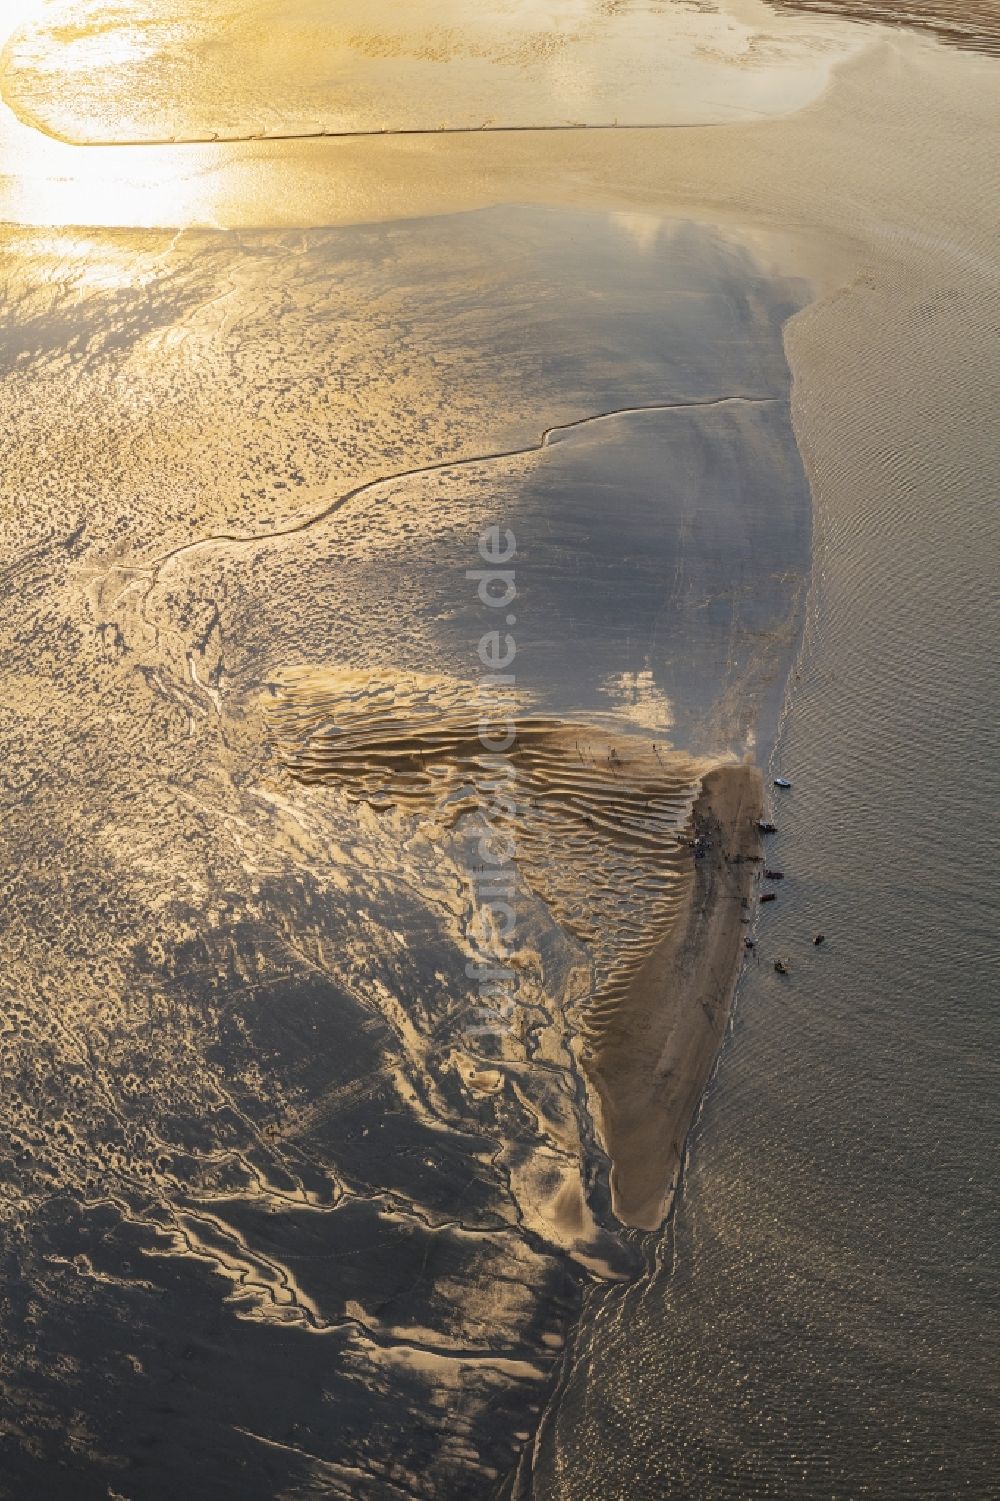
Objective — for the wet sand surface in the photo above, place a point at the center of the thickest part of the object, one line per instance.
(972, 24)
(656, 1049)
(155, 71)
(263, 1091)
(302, 1229)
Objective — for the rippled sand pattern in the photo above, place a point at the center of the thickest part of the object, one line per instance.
(972, 24)
(256, 1149)
(645, 857)
(601, 822)
(274, 1224)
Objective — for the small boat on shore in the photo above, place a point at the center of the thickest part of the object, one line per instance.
(766, 827)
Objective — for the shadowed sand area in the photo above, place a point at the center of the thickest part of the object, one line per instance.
(657, 1048)
(583, 813)
(268, 1090)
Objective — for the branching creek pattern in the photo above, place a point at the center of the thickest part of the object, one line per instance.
(251, 1129)
(280, 1217)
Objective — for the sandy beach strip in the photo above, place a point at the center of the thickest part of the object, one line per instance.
(654, 1058)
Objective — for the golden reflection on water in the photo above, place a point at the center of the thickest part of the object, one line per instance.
(43, 181)
(91, 71)
(55, 184)
(243, 180)
(17, 12)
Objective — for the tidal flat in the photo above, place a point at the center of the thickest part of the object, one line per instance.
(262, 1080)
(272, 1190)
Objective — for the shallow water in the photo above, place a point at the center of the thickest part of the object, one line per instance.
(263, 1192)
(970, 24)
(818, 1320)
(142, 71)
(819, 1324)
(265, 1121)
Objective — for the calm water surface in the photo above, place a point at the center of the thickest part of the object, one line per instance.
(821, 1320)
(281, 1246)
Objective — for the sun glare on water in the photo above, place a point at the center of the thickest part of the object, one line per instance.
(44, 181)
(189, 122)
(16, 13)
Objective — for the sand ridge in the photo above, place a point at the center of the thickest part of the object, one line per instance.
(621, 819)
(655, 1055)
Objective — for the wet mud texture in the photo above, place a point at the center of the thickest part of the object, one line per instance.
(271, 1221)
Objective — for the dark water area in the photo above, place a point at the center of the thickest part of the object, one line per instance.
(822, 1318)
(660, 558)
